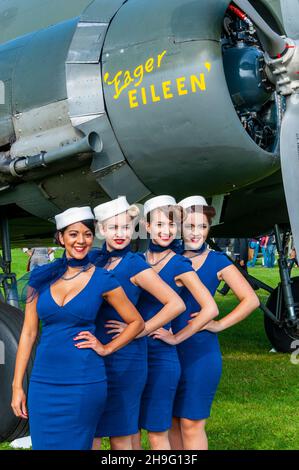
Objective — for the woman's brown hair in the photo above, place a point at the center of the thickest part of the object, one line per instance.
(208, 211)
(175, 214)
(88, 223)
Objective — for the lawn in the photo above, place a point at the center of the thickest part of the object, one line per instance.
(256, 406)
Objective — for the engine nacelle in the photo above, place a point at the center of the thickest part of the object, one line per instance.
(151, 86)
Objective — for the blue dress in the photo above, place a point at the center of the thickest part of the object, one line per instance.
(68, 386)
(200, 355)
(126, 368)
(163, 363)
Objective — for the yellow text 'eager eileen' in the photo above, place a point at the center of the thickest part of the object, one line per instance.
(181, 86)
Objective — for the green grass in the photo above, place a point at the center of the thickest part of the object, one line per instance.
(256, 405)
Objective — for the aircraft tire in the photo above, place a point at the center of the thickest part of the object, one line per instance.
(282, 338)
(11, 322)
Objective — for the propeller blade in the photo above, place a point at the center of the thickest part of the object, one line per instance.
(271, 41)
(290, 14)
(289, 154)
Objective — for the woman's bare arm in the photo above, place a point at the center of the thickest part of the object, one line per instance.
(27, 340)
(209, 310)
(173, 305)
(130, 315)
(249, 301)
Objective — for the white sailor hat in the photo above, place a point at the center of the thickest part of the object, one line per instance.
(114, 207)
(158, 201)
(193, 201)
(72, 216)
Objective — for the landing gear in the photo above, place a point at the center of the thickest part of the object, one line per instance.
(283, 303)
(282, 334)
(281, 312)
(11, 322)
(8, 280)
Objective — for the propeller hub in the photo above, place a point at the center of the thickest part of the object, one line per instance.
(244, 68)
(283, 71)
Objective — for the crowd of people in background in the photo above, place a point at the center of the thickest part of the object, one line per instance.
(246, 251)
(39, 256)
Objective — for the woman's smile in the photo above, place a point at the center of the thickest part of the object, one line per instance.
(119, 241)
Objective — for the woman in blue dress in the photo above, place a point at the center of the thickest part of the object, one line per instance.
(163, 221)
(68, 387)
(199, 353)
(127, 368)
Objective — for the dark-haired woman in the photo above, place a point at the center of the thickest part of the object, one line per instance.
(163, 221)
(199, 353)
(68, 387)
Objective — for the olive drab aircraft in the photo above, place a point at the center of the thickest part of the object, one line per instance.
(146, 97)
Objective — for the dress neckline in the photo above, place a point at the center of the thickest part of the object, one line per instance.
(198, 269)
(118, 264)
(73, 298)
(158, 272)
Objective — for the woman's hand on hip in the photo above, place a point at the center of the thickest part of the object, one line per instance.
(115, 327)
(213, 326)
(91, 342)
(164, 335)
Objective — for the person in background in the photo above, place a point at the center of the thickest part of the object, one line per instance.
(293, 260)
(263, 244)
(52, 253)
(270, 251)
(241, 252)
(254, 249)
(223, 244)
(38, 257)
(241, 258)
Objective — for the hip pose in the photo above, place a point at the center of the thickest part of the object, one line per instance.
(199, 351)
(126, 369)
(163, 219)
(68, 387)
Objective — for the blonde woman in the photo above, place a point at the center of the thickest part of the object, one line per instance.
(127, 368)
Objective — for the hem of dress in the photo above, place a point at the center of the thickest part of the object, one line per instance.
(47, 381)
(184, 415)
(155, 429)
(118, 434)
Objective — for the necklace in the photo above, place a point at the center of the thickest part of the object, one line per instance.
(155, 264)
(194, 256)
(198, 252)
(111, 260)
(83, 269)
